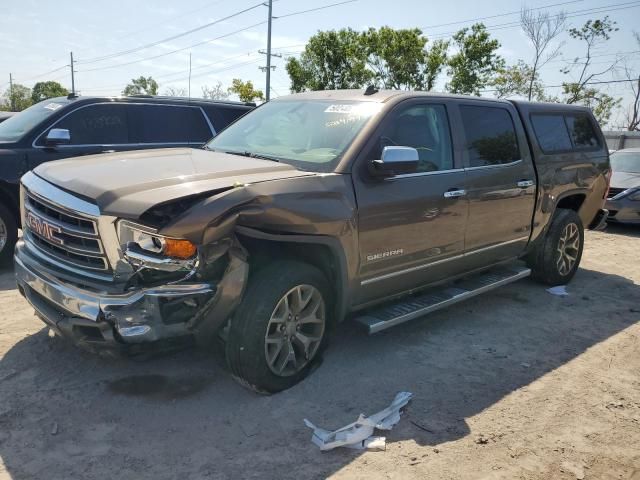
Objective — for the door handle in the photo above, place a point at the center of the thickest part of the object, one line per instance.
(525, 183)
(455, 193)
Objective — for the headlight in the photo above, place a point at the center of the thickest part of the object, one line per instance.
(634, 195)
(148, 240)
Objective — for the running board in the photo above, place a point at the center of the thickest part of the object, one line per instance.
(390, 315)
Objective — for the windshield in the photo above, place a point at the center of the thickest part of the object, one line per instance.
(309, 134)
(625, 162)
(16, 127)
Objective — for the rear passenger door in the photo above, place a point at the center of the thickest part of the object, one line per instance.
(501, 183)
(156, 126)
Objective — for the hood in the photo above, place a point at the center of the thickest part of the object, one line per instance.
(625, 180)
(126, 184)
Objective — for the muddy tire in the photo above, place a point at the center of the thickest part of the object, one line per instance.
(8, 235)
(278, 331)
(556, 259)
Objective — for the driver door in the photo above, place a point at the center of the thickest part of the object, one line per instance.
(411, 226)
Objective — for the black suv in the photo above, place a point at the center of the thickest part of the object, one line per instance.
(74, 126)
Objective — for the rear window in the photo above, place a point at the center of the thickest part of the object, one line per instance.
(168, 124)
(491, 136)
(561, 133)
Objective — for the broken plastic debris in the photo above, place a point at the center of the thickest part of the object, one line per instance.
(560, 291)
(358, 434)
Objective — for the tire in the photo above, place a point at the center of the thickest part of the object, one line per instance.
(8, 235)
(566, 234)
(264, 313)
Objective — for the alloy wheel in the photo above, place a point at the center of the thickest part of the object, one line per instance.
(4, 235)
(295, 330)
(568, 249)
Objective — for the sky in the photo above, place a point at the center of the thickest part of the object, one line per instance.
(36, 37)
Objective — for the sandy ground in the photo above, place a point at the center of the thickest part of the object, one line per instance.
(515, 384)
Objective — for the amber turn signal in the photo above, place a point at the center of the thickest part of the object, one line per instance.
(178, 248)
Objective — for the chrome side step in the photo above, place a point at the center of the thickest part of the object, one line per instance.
(390, 315)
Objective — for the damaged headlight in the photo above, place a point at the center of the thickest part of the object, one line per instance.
(143, 247)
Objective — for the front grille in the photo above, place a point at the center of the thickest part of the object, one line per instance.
(613, 192)
(75, 239)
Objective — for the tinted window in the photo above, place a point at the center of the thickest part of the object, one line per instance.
(425, 128)
(581, 130)
(100, 124)
(491, 136)
(168, 124)
(222, 116)
(551, 132)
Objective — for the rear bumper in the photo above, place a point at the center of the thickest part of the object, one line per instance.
(98, 320)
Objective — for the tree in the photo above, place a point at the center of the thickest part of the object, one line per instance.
(593, 34)
(141, 86)
(245, 90)
(44, 90)
(518, 80)
(633, 112)
(16, 99)
(541, 29)
(216, 92)
(330, 60)
(436, 61)
(175, 91)
(475, 62)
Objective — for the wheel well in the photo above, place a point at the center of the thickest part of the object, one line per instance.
(263, 252)
(572, 202)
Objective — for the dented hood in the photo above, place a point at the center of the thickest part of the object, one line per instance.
(126, 184)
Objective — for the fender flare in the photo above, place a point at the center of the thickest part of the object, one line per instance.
(334, 246)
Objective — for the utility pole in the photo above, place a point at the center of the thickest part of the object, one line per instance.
(11, 92)
(189, 75)
(269, 51)
(73, 80)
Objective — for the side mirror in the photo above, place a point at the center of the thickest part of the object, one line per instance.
(58, 136)
(396, 161)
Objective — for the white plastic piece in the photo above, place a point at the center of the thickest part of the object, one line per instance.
(358, 434)
(559, 291)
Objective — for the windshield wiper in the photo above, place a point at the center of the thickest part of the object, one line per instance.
(253, 155)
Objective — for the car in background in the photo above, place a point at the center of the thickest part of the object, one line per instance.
(74, 126)
(6, 116)
(623, 200)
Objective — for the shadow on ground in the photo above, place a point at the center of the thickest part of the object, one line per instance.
(67, 414)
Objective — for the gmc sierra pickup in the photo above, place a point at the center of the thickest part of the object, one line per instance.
(379, 206)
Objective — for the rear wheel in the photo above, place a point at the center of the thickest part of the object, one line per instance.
(556, 259)
(279, 328)
(8, 235)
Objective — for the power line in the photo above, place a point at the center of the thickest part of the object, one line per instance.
(43, 74)
(313, 9)
(576, 13)
(168, 39)
(499, 15)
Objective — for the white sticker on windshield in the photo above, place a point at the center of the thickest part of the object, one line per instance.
(339, 109)
(53, 106)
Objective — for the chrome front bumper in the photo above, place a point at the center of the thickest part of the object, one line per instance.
(93, 319)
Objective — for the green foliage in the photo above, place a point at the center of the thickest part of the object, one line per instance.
(476, 61)
(245, 90)
(592, 34)
(17, 99)
(141, 86)
(516, 80)
(389, 58)
(44, 90)
(331, 60)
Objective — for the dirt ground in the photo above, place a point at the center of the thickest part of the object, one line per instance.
(514, 384)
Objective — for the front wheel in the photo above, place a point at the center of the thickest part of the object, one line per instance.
(8, 235)
(556, 259)
(279, 328)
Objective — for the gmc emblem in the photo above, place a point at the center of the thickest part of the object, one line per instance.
(43, 228)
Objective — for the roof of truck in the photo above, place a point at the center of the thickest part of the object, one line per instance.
(379, 96)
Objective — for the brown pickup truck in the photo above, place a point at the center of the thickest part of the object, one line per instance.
(379, 206)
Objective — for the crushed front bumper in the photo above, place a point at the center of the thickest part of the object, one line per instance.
(98, 320)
